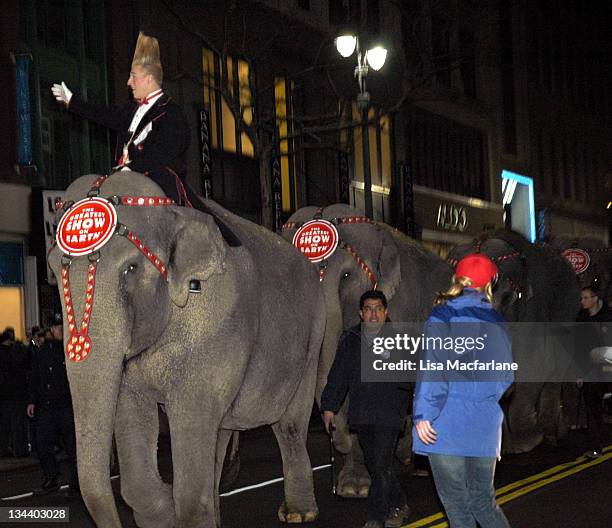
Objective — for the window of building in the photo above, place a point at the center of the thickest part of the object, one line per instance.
(379, 137)
(220, 96)
(51, 23)
(304, 4)
(446, 155)
(283, 105)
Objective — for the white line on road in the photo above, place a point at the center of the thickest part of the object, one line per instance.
(233, 492)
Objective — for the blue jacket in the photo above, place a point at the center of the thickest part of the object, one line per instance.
(465, 414)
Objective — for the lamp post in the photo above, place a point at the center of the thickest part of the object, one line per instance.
(373, 58)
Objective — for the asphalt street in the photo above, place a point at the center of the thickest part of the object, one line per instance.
(551, 486)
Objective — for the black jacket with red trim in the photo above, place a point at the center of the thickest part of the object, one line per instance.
(162, 153)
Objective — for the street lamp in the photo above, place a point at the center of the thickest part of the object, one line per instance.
(373, 58)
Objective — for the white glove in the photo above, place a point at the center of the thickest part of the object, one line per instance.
(62, 93)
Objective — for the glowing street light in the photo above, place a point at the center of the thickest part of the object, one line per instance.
(373, 58)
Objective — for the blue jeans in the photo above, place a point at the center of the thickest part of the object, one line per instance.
(465, 487)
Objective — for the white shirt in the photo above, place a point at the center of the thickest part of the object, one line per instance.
(142, 110)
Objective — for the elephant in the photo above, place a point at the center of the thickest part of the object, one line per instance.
(598, 274)
(216, 318)
(370, 255)
(535, 284)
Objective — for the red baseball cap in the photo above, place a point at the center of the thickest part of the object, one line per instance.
(478, 268)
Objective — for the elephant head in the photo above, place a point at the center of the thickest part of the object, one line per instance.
(119, 300)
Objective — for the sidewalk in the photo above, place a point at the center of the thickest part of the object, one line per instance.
(12, 463)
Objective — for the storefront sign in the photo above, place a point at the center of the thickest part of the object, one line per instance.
(452, 217)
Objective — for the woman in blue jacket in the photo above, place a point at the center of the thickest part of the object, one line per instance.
(456, 411)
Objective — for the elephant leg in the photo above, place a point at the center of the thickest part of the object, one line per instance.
(222, 441)
(136, 433)
(403, 450)
(354, 479)
(194, 435)
(231, 465)
(522, 430)
(291, 431)
(549, 412)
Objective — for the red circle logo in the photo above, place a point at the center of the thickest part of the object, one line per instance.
(86, 226)
(578, 258)
(317, 240)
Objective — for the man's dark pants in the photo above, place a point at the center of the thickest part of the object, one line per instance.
(51, 422)
(378, 445)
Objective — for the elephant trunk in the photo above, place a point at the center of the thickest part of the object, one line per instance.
(333, 331)
(95, 387)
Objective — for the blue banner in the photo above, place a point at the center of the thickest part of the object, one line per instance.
(24, 111)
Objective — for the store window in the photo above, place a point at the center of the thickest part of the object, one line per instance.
(283, 104)
(220, 95)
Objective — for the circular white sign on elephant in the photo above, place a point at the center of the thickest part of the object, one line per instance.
(86, 226)
(578, 259)
(317, 239)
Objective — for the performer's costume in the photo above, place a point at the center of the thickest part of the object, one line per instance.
(156, 148)
(152, 134)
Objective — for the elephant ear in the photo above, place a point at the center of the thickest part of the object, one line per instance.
(388, 268)
(196, 252)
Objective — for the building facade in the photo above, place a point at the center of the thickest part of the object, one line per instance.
(485, 114)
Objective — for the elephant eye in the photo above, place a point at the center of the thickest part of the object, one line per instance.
(129, 269)
(346, 274)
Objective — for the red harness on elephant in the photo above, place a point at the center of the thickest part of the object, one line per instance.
(347, 247)
(83, 214)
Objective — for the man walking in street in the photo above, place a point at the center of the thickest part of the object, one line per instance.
(376, 410)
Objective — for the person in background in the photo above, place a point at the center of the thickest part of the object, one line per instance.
(594, 310)
(50, 403)
(15, 367)
(376, 410)
(458, 422)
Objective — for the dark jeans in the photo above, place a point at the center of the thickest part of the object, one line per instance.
(51, 423)
(593, 393)
(378, 445)
(465, 487)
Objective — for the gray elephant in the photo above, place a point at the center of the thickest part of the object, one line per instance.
(598, 272)
(224, 332)
(535, 284)
(370, 254)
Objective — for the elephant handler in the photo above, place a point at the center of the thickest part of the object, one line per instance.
(152, 134)
(51, 405)
(376, 410)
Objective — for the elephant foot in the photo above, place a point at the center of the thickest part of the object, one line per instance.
(295, 517)
(353, 482)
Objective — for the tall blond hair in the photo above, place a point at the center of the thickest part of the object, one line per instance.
(458, 284)
(147, 55)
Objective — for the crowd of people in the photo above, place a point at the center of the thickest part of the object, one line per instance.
(35, 403)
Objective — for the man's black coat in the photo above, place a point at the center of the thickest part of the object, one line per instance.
(383, 404)
(161, 155)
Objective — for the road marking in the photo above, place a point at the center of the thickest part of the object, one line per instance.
(266, 483)
(525, 485)
(30, 494)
